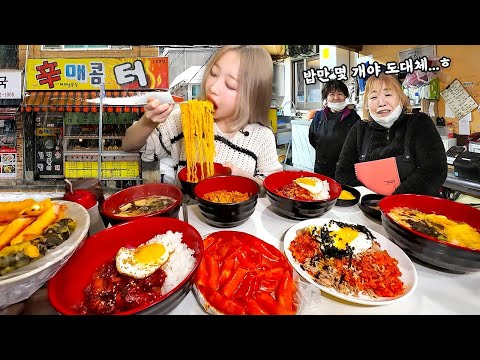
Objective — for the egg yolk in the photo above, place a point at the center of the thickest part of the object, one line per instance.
(149, 253)
(307, 181)
(343, 236)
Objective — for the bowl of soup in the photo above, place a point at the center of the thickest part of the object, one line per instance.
(141, 201)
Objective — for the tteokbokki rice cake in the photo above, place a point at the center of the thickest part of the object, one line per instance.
(241, 274)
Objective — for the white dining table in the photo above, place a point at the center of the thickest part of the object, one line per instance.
(438, 292)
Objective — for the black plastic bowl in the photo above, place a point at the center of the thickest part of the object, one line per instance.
(187, 187)
(299, 209)
(426, 248)
(368, 203)
(227, 215)
(353, 191)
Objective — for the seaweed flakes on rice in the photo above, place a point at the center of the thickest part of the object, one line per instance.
(347, 258)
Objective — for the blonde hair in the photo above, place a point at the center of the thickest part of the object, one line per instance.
(390, 82)
(255, 79)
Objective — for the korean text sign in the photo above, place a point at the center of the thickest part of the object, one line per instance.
(89, 73)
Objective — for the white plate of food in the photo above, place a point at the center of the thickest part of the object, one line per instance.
(20, 283)
(343, 259)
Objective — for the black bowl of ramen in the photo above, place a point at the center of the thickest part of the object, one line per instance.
(227, 201)
(188, 186)
(437, 231)
(142, 201)
(296, 202)
(348, 197)
(369, 205)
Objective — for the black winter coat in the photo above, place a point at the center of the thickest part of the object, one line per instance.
(328, 144)
(427, 154)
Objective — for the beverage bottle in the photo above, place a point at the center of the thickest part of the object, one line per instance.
(450, 131)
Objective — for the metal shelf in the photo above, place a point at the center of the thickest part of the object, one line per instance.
(116, 179)
(88, 137)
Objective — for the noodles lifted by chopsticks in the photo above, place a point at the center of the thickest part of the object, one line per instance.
(197, 126)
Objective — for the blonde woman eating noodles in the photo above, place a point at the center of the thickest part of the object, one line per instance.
(238, 81)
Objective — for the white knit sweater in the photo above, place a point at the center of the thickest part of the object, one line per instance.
(253, 150)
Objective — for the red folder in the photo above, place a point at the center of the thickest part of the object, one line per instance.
(380, 176)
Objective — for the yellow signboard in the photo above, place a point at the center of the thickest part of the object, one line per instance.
(88, 74)
(110, 169)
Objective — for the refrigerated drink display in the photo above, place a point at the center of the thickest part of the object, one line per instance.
(48, 146)
(82, 140)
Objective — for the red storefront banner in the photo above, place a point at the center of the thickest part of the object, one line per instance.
(89, 73)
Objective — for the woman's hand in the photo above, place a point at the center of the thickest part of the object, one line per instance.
(157, 112)
(137, 134)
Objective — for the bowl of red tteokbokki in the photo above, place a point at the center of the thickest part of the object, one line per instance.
(139, 267)
(437, 231)
(299, 194)
(188, 181)
(141, 201)
(227, 201)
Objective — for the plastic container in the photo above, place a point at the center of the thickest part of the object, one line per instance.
(91, 184)
(450, 134)
(417, 98)
(89, 201)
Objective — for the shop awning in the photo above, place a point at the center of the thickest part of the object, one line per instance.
(74, 101)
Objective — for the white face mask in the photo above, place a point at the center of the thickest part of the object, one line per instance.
(388, 121)
(339, 106)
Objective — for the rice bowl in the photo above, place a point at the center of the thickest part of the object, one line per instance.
(66, 290)
(180, 262)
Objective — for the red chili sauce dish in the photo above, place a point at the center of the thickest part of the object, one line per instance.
(109, 291)
(243, 275)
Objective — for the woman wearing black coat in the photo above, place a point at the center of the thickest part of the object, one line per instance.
(389, 129)
(330, 127)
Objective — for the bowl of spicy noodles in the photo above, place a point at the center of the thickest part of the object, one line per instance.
(301, 194)
(227, 201)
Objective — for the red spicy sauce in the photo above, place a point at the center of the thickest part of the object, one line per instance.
(294, 192)
(110, 292)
